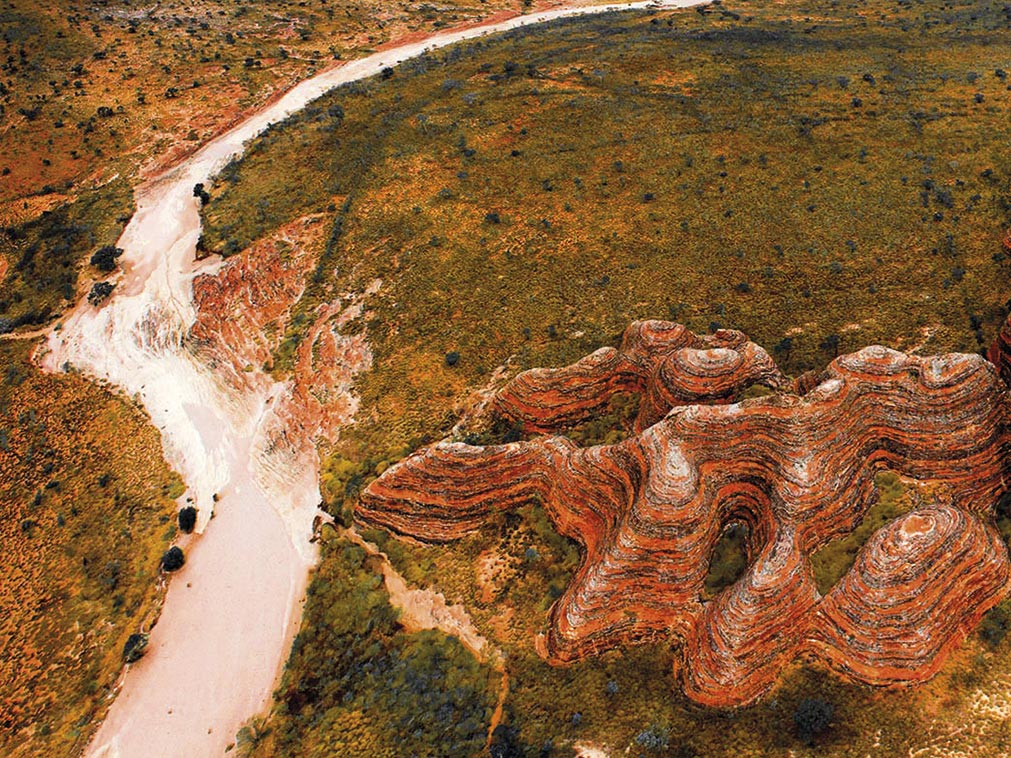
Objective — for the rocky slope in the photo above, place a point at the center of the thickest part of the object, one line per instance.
(797, 467)
(242, 309)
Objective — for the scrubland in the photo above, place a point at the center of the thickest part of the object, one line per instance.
(95, 97)
(86, 509)
(822, 177)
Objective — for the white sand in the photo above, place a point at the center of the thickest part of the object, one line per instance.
(216, 652)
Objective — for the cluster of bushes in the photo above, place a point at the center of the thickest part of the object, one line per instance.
(201, 194)
(47, 250)
(357, 684)
(28, 318)
(812, 719)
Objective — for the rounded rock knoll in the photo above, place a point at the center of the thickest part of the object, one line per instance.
(796, 467)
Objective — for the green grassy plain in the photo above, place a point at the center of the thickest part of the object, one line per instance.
(822, 177)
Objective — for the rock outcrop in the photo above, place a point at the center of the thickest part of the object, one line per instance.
(244, 306)
(243, 309)
(797, 469)
(665, 363)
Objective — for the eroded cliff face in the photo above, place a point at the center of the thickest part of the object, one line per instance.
(245, 304)
(243, 309)
(796, 466)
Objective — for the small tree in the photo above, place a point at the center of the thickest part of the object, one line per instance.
(105, 257)
(812, 718)
(173, 559)
(830, 344)
(187, 519)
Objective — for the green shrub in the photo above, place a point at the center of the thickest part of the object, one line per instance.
(187, 519)
(134, 648)
(173, 560)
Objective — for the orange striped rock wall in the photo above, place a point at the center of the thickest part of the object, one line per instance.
(797, 468)
(665, 363)
(999, 353)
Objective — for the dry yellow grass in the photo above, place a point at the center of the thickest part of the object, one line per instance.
(85, 512)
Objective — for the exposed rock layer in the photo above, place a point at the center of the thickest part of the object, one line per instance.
(798, 469)
(666, 363)
(242, 311)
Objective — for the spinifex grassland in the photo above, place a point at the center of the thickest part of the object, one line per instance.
(821, 177)
(92, 96)
(85, 512)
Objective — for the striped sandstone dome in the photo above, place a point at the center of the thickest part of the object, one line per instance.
(798, 469)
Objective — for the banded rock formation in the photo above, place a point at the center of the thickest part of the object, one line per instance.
(665, 363)
(244, 307)
(797, 469)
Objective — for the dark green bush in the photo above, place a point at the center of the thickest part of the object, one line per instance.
(173, 559)
(812, 718)
(187, 519)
